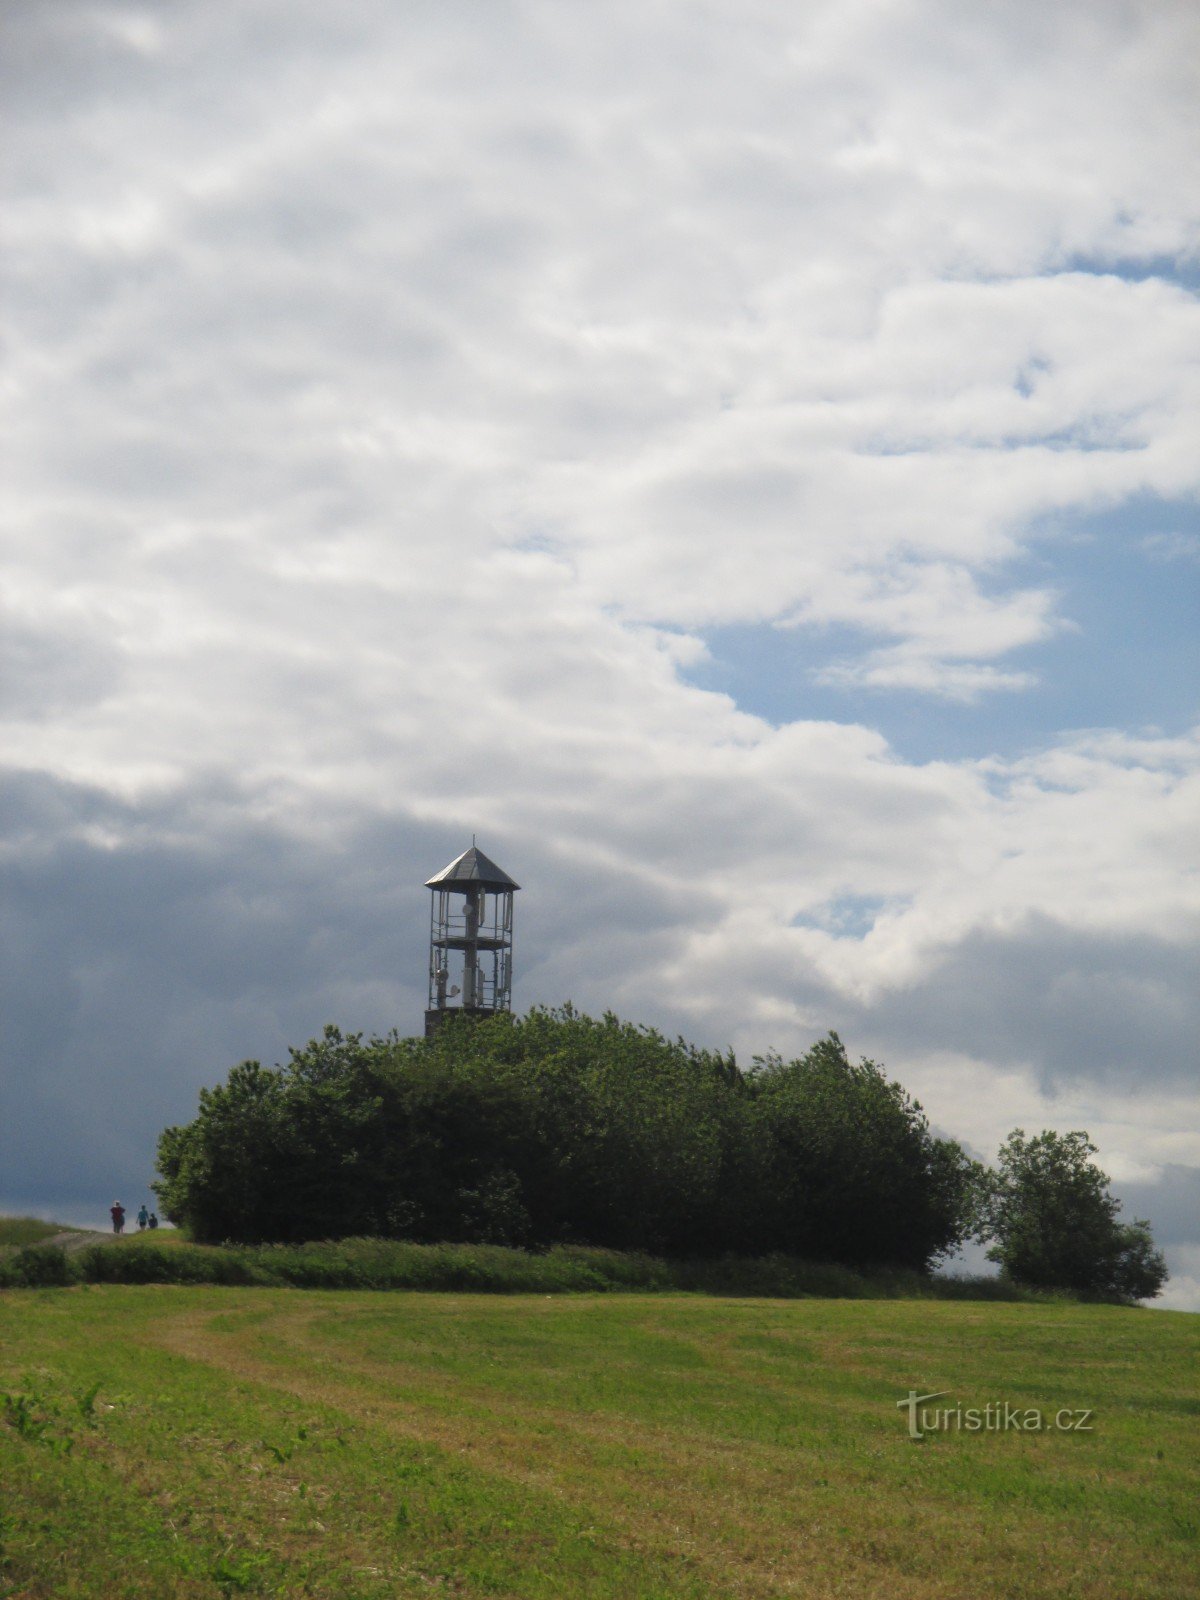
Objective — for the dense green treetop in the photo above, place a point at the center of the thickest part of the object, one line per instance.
(560, 1127)
(1055, 1225)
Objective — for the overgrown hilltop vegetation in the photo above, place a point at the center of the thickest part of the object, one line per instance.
(342, 1446)
(559, 1129)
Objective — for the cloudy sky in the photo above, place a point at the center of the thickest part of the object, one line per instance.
(738, 458)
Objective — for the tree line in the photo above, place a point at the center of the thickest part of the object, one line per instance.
(559, 1128)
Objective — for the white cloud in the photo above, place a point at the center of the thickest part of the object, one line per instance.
(1182, 1292)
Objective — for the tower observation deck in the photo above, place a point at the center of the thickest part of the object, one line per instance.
(470, 939)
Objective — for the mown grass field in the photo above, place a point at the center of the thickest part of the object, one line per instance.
(209, 1441)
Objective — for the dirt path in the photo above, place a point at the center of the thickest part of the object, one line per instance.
(73, 1240)
(76, 1239)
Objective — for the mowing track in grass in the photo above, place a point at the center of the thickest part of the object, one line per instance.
(211, 1442)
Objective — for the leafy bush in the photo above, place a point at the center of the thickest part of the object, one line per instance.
(113, 1263)
(41, 1266)
(398, 1264)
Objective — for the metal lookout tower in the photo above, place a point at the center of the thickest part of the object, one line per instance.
(471, 913)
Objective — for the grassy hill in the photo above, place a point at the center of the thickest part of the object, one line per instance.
(208, 1441)
(15, 1231)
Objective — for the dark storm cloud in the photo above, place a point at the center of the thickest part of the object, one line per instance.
(153, 945)
(1075, 1006)
(1171, 1202)
(146, 955)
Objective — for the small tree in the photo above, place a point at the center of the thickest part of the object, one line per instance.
(1054, 1224)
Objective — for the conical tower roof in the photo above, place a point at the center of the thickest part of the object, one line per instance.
(472, 867)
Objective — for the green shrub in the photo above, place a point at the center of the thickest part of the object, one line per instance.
(39, 1266)
(106, 1263)
(397, 1264)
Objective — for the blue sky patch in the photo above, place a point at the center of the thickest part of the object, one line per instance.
(1128, 581)
(851, 916)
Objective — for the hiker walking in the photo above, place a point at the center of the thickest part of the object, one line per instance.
(153, 1220)
(117, 1212)
(143, 1217)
